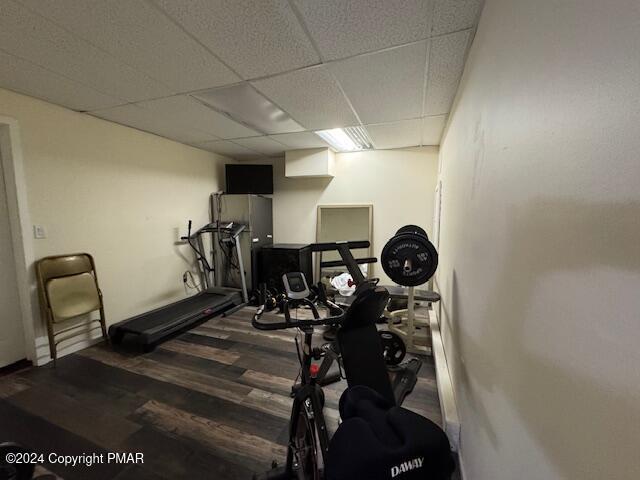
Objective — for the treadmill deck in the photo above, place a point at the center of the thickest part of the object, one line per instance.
(154, 326)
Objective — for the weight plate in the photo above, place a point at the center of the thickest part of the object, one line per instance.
(393, 347)
(409, 259)
(412, 229)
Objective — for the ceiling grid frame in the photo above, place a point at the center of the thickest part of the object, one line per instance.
(431, 33)
(305, 28)
(137, 69)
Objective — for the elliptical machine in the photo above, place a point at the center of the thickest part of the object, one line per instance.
(377, 439)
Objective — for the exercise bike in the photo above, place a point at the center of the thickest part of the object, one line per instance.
(377, 439)
(308, 437)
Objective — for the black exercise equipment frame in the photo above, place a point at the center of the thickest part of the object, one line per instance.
(309, 398)
(404, 376)
(344, 249)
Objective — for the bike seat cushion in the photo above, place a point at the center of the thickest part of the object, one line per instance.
(360, 346)
(378, 440)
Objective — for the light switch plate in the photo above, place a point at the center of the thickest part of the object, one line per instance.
(39, 231)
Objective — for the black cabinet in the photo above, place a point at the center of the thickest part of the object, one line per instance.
(276, 260)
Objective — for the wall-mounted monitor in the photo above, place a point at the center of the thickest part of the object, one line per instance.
(249, 178)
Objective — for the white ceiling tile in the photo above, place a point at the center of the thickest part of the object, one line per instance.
(256, 38)
(453, 15)
(311, 96)
(186, 112)
(229, 149)
(140, 35)
(432, 128)
(25, 77)
(29, 36)
(149, 121)
(446, 62)
(264, 145)
(300, 140)
(342, 28)
(407, 133)
(385, 86)
(243, 102)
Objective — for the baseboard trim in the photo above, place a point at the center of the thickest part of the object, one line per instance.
(450, 419)
(80, 342)
(463, 474)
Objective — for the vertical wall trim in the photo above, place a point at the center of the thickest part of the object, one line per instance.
(448, 408)
(20, 224)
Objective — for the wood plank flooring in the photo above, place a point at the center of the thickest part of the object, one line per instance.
(211, 403)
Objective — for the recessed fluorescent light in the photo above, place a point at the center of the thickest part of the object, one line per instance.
(349, 139)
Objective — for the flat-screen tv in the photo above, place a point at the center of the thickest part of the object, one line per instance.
(249, 178)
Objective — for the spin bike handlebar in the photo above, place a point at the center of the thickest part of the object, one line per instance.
(335, 319)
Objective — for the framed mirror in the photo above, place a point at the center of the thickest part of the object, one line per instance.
(343, 222)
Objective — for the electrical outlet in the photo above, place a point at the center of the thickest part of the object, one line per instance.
(39, 231)
(179, 234)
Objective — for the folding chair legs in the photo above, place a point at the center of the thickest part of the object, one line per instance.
(52, 343)
(103, 325)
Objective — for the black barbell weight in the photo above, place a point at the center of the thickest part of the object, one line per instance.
(409, 258)
(393, 348)
(412, 229)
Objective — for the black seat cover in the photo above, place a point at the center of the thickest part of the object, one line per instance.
(378, 440)
(360, 346)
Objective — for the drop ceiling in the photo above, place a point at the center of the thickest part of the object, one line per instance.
(245, 78)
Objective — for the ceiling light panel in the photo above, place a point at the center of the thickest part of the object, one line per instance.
(244, 103)
(349, 139)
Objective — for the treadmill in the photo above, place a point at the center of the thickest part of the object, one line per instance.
(151, 328)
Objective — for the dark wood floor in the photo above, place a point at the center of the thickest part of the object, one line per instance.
(211, 403)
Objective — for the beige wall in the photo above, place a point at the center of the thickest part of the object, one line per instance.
(117, 193)
(399, 183)
(540, 242)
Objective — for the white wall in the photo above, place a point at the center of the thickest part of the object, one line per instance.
(116, 193)
(399, 183)
(12, 345)
(540, 242)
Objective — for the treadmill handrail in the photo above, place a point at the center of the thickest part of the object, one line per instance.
(232, 228)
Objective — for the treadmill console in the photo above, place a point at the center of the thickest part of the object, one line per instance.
(296, 285)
